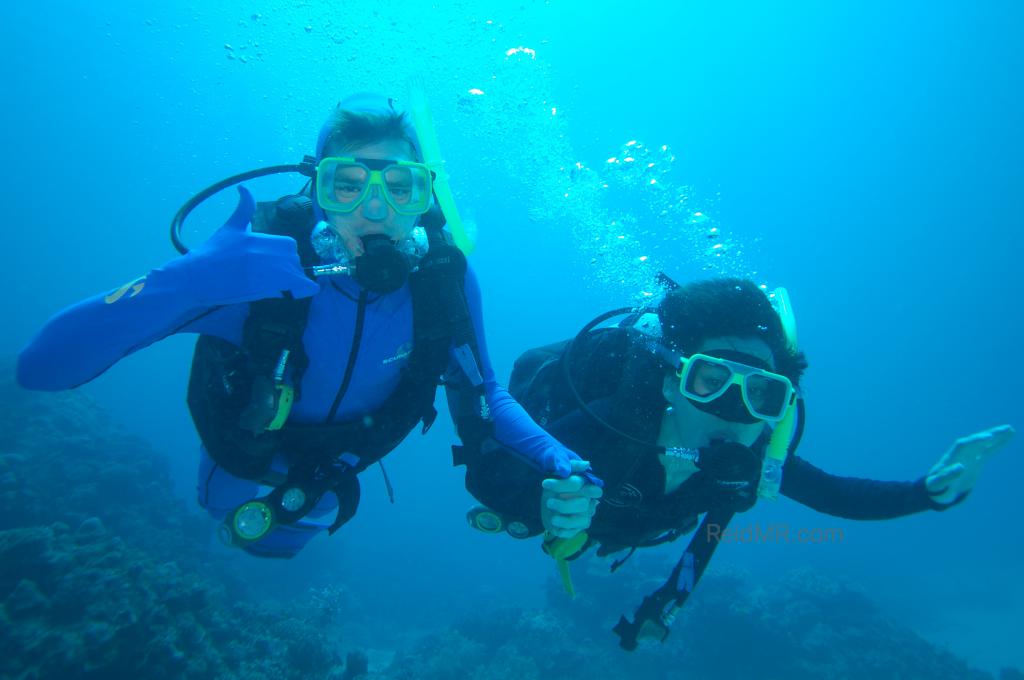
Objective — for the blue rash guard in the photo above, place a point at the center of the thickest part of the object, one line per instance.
(85, 339)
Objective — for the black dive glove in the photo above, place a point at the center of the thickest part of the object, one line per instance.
(735, 470)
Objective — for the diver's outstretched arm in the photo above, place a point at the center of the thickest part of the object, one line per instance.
(232, 266)
(947, 484)
(852, 497)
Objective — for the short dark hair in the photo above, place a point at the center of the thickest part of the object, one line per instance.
(349, 130)
(693, 313)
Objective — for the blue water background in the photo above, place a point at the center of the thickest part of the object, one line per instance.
(863, 155)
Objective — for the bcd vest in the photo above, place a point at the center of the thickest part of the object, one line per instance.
(229, 384)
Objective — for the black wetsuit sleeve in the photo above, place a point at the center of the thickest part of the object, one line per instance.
(852, 497)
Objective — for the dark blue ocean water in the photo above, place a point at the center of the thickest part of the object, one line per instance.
(867, 157)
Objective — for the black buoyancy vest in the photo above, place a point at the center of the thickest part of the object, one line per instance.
(538, 375)
(609, 364)
(225, 378)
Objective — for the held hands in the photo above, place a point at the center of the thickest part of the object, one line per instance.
(236, 265)
(567, 505)
(957, 471)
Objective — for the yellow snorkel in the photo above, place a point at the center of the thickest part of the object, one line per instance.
(782, 435)
(779, 298)
(423, 121)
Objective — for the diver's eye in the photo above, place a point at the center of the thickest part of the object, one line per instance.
(711, 377)
(347, 190)
(712, 384)
(400, 193)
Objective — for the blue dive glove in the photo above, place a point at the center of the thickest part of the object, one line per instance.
(232, 266)
(236, 265)
(559, 462)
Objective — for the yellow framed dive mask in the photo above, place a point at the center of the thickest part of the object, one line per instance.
(343, 184)
(765, 395)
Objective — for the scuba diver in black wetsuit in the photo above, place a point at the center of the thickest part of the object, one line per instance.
(692, 409)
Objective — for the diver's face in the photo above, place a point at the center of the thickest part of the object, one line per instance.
(695, 428)
(374, 215)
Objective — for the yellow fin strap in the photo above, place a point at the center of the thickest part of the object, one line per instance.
(561, 549)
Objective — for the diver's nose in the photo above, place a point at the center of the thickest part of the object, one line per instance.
(375, 208)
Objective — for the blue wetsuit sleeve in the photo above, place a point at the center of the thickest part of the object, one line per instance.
(84, 340)
(232, 267)
(851, 497)
(513, 427)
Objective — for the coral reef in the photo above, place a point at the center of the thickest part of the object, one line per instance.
(104, 573)
(81, 604)
(804, 626)
(63, 460)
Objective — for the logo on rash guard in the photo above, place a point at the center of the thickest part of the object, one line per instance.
(135, 287)
(403, 353)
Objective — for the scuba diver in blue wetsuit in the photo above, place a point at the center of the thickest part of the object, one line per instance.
(689, 409)
(326, 319)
